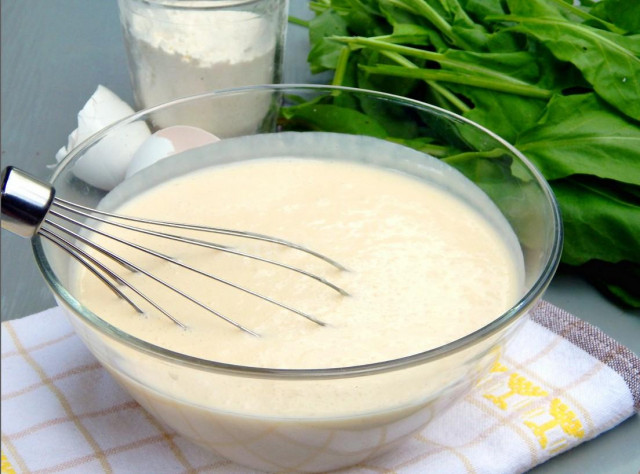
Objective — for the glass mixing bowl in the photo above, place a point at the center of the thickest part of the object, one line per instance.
(251, 415)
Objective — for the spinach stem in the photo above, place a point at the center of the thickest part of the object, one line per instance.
(450, 96)
(569, 27)
(463, 157)
(440, 58)
(461, 14)
(444, 92)
(460, 78)
(298, 21)
(421, 7)
(433, 150)
(322, 6)
(588, 16)
(341, 67)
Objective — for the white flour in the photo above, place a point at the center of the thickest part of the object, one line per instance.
(176, 53)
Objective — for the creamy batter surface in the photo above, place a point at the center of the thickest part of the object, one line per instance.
(425, 268)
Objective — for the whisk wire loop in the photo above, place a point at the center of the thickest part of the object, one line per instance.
(28, 206)
(74, 207)
(201, 243)
(84, 258)
(131, 266)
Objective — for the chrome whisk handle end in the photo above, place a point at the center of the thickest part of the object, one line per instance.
(25, 201)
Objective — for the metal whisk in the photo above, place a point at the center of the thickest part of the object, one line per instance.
(29, 204)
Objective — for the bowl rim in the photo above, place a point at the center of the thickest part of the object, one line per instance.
(524, 304)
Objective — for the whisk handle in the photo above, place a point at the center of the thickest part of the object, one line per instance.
(25, 201)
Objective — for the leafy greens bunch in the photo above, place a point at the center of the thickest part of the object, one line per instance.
(560, 82)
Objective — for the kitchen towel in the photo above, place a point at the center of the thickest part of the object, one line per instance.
(558, 383)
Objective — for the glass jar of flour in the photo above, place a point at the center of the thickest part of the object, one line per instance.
(178, 48)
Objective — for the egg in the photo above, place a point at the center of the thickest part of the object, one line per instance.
(105, 164)
(166, 142)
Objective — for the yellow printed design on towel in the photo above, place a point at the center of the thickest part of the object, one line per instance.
(558, 415)
(6, 467)
(517, 385)
(550, 419)
(499, 367)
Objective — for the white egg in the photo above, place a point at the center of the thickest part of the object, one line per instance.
(166, 142)
(105, 164)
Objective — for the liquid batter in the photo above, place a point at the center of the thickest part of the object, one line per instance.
(425, 267)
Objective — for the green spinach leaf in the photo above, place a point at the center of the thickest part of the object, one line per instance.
(600, 221)
(623, 13)
(579, 134)
(332, 118)
(608, 61)
(324, 53)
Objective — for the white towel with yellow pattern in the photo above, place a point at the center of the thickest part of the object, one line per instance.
(560, 382)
